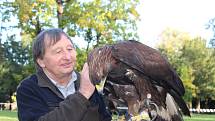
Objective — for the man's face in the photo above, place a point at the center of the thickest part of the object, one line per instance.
(59, 59)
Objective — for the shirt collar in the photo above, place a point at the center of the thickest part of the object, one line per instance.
(73, 79)
(44, 81)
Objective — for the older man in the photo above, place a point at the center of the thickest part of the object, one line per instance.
(56, 92)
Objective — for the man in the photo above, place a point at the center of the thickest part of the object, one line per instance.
(56, 92)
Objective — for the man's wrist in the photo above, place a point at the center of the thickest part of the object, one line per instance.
(86, 94)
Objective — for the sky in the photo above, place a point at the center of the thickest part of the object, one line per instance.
(184, 15)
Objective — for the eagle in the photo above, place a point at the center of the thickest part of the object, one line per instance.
(139, 77)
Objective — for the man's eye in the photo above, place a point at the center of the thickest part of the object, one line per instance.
(70, 49)
(58, 51)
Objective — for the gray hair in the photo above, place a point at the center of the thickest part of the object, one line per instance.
(52, 36)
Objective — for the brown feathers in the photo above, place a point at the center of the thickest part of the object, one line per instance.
(132, 71)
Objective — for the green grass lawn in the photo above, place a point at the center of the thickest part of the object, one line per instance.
(8, 116)
(201, 117)
(12, 116)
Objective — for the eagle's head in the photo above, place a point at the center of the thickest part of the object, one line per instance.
(99, 61)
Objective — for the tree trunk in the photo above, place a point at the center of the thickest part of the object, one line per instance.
(38, 27)
(59, 13)
(198, 105)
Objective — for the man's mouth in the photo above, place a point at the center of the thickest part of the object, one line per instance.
(66, 65)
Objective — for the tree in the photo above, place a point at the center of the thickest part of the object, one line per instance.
(171, 45)
(13, 68)
(202, 61)
(193, 61)
(101, 20)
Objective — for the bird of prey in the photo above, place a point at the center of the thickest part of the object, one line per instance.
(139, 77)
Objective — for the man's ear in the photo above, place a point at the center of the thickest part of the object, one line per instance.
(41, 63)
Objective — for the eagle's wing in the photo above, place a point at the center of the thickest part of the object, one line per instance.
(149, 62)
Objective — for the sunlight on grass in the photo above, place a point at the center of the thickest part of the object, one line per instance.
(8, 116)
(3, 118)
(200, 117)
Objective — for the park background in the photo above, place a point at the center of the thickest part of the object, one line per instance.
(181, 30)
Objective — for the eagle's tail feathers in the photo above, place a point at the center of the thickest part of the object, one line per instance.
(178, 99)
(173, 109)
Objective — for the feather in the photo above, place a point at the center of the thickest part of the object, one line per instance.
(133, 71)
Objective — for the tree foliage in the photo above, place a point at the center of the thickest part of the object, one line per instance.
(105, 20)
(14, 67)
(202, 62)
(172, 42)
(193, 61)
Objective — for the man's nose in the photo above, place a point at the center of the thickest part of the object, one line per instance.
(66, 55)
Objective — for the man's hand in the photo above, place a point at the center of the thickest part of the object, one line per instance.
(86, 87)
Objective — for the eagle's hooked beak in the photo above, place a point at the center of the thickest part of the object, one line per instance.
(100, 86)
